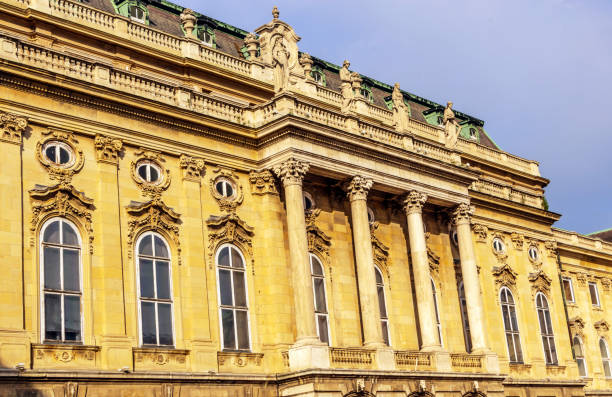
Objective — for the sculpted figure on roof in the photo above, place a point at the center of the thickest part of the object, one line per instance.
(188, 20)
(280, 57)
(346, 87)
(451, 126)
(400, 110)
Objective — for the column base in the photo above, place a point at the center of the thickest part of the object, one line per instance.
(491, 362)
(442, 361)
(309, 356)
(385, 359)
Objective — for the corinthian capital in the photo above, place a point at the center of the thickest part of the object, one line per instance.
(291, 171)
(413, 202)
(12, 127)
(462, 213)
(358, 188)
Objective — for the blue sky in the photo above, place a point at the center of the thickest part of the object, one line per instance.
(537, 72)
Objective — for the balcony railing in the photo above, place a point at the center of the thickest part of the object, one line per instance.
(413, 360)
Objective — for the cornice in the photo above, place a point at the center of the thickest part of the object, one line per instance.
(513, 208)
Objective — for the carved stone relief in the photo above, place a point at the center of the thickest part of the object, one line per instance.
(380, 250)
(504, 276)
(108, 149)
(540, 282)
(229, 228)
(192, 167)
(62, 173)
(151, 189)
(576, 325)
(602, 327)
(12, 127)
(481, 232)
(551, 248)
(262, 182)
(517, 241)
(227, 203)
(239, 359)
(318, 241)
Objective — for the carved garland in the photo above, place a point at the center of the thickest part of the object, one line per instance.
(61, 173)
(153, 215)
(64, 201)
(229, 228)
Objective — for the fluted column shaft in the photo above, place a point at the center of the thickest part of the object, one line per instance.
(471, 284)
(413, 206)
(292, 173)
(357, 191)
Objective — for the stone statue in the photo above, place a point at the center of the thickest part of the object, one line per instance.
(346, 87)
(451, 126)
(306, 62)
(400, 110)
(188, 20)
(280, 58)
(251, 42)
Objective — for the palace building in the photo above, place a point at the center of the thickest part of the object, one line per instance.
(191, 210)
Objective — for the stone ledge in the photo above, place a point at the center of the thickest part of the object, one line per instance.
(239, 361)
(159, 359)
(64, 356)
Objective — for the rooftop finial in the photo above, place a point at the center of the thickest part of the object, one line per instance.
(275, 12)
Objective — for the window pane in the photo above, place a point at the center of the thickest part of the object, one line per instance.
(225, 287)
(146, 247)
(229, 190)
(385, 332)
(223, 259)
(160, 248)
(323, 334)
(607, 371)
(319, 288)
(219, 187)
(553, 350)
(577, 348)
(53, 317)
(381, 302)
(163, 280)
(52, 233)
(593, 291)
(50, 153)
(71, 270)
(149, 333)
(142, 170)
(164, 312)
(239, 289)
(52, 267)
(236, 259)
(581, 367)
(242, 326)
(549, 329)
(69, 236)
(72, 317)
(603, 349)
(227, 322)
(316, 267)
(379, 279)
(511, 352)
(519, 351)
(546, 350)
(541, 320)
(146, 278)
(506, 317)
(513, 321)
(567, 286)
(63, 155)
(154, 175)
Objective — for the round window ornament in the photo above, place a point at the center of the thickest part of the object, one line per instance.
(498, 245)
(149, 172)
(59, 154)
(225, 188)
(534, 255)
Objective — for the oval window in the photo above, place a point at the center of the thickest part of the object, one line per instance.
(498, 245)
(58, 153)
(149, 172)
(308, 201)
(224, 187)
(533, 253)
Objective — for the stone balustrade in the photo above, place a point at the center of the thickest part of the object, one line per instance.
(340, 357)
(507, 192)
(463, 362)
(499, 157)
(413, 360)
(574, 239)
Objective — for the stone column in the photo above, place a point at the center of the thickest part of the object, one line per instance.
(357, 191)
(413, 206)
(308, 351)
(471, 284)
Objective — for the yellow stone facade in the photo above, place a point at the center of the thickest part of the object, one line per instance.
(116, 95)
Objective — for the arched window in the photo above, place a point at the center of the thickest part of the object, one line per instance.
(464, 318)
(605, 357)
(155, 290)
(438, 323)
(546, 330)
(579, 356)
(61, 281)
(233, 304)
(320, 300)
(513, 339)
(382, 305)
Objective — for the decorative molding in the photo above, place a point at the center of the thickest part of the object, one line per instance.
(153, 215)
(262, 182)
(291, 171)
(239, 359)
(602, 327)
(108, 149)
(551, 248)
(151, 190)
(193, 168)
(434, 261)
(581, 278)
(380, 250)
(504, 276)
(462, 213)
(605, 284)
(502, 256)
(226, 204)
(413, 202)
(12, 127)
(540, 282)
(358, 188)
(229, 228)
(576, 325)
(481, 232)
(159, 359)
(49, 355)
(62, 174)
(517, 241)
(71, 389)
(64, 201)
(318, 241)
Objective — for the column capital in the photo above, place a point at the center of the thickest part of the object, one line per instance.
(291, 171)
(108, 149)
(358, 188)
(462, 213)
(12, 127)
(413, 202)
(193, 168)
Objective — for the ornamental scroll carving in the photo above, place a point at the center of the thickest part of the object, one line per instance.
(12, 127)
(517, 240)
(60, 173)
(318, 241)
(108, 149)
(504, 276)
(229, 228)
(149, 189)
(380, 250)
(576, 325)
(192, 167)
(153, 215)
(61, 200)
(481, 232)
(602, 327)
(262, 182)
(540, 282)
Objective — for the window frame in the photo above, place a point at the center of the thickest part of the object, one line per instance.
(156, 300)
(437, 312)
(596, 289)
(467, 335)
(149, 164)
(583, 357)
(314, 297)
(307, 196)
(511, 307)
(502, 245)
(549, 336)
(41, 245)
(233, 307)
(536, 253)
(225, 181)
(382, 319)
(571, 287)
(605, 360)
(59, 145)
